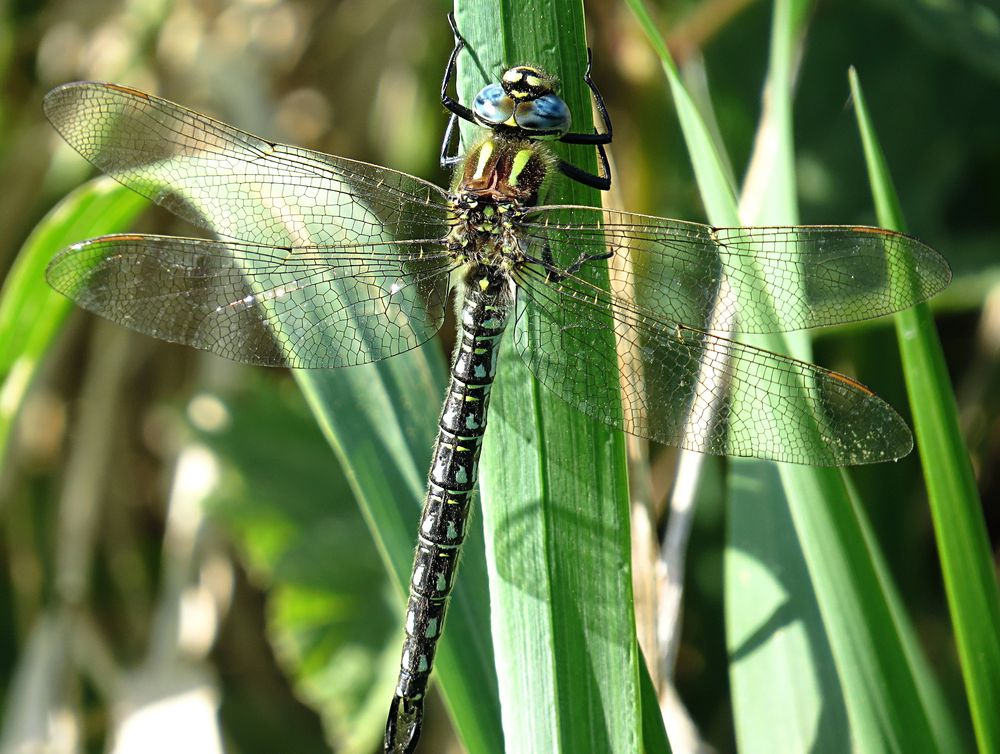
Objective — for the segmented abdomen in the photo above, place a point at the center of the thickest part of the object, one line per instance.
(452, 476)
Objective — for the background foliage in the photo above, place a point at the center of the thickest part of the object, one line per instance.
(97, 521)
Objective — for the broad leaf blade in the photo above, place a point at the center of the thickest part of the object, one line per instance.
(31, 313)
(553, 486)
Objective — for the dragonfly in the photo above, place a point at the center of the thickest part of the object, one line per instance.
(321, 261)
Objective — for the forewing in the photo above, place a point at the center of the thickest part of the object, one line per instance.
(305, 307)
(750, 280)
(239, 185)
(682, 386)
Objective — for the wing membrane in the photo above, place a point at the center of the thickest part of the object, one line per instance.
(238, 185)
(782, 278)
(304, 307)
(682, 386)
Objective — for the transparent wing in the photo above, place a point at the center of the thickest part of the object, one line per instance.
(751, 280)
(238, 185)
(305, 307)
(682, 386)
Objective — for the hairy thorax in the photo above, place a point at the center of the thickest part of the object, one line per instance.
(498, 181)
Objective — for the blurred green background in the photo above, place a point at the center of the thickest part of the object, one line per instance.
(274, 608)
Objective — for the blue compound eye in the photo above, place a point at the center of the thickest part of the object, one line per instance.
(492, 106)
(547, 113)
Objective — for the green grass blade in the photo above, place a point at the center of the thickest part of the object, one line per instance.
(654, 737)
(553, 482)
(31, 313)
(795, 668)
(811, 628)
(717, 192)
(969, 576)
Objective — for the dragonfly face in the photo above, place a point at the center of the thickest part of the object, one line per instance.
(323, 261)
(525, 102)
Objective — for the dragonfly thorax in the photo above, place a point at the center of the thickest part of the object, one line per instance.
(498, 180)
(485, 232)
(500, 170)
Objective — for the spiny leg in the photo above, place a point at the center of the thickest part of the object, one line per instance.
(598, 137)
(450, 160)
(554, 275)
(456, 108)
(602, 179)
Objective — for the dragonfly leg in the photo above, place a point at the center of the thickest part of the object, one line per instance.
(585, 258)
(406, 721)
(456, 108)
(453, 105)
(602, 179)
(597, 137)
(450, 160)
(602, 109)
(554, 274)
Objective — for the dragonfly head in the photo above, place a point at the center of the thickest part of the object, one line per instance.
(525, 82)
(525, 101)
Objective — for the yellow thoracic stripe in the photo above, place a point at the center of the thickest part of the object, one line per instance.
(518, 164)
(485, 152)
